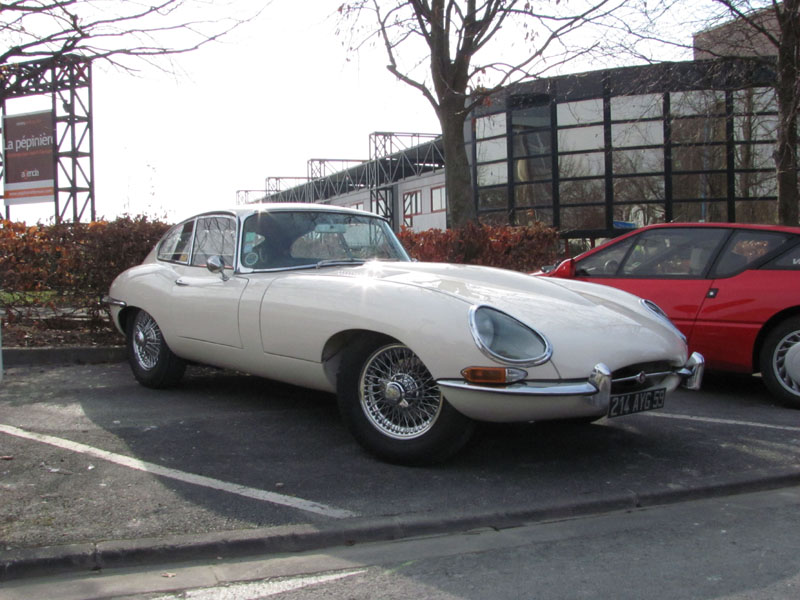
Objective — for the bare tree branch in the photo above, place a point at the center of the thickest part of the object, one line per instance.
(114, 30)
(438, 47)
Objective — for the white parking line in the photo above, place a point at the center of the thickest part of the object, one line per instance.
(257, 589)
(721, 421)
(139, 465)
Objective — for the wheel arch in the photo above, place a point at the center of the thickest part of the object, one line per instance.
(335, 347)
(125, 315)
(768, 326)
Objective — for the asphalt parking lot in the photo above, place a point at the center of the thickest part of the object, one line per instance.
(96, 470)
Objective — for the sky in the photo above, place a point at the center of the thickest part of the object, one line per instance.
(277, 92)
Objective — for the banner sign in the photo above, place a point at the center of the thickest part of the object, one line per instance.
(29, 158)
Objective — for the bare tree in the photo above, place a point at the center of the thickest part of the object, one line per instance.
(458, 52)
(769, 29)
(112, 29)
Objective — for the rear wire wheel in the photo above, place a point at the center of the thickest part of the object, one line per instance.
(394, 408)
(153, 364)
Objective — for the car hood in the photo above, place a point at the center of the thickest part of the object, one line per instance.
(507, 290)
(565, 311)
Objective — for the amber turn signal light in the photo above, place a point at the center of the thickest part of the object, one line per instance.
(493, 375)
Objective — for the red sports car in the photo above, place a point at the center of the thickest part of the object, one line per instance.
(732, 289)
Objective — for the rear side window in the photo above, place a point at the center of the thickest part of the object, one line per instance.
(215, 236)
(176, 245)
(788, 260)
(747, 247)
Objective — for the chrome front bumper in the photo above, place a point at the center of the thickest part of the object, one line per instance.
(546, 400)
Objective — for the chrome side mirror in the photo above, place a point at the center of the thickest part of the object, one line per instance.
(216, 264)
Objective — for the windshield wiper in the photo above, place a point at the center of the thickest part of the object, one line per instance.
(340, 261)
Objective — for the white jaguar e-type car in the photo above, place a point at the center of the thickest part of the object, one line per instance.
(326, 297)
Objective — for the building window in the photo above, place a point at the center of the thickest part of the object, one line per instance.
(490, 126)
(637, 149)
(412, 205)
(438, 199)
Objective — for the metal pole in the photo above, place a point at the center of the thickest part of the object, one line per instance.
(2, 314)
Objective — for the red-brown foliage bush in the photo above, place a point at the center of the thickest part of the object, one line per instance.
(517, 248)
(68, 267)
(65, 268)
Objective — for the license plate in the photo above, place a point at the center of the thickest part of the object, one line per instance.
(627, 404)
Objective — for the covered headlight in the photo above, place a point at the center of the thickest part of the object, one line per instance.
(506, 339)
(656, 309)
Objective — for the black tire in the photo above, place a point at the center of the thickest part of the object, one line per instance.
(152, 362)
(780, 361)
(391, 404)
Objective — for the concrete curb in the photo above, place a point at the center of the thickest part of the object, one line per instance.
(21, 563)
(51, 355)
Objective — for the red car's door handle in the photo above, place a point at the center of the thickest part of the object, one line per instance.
(712, 293)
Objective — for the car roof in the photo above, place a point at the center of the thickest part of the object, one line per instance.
(784, 228)
(245, 210)
(638, 230)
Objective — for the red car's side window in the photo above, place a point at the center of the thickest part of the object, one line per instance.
(674, 253)
(790, 259)
(746, 248)
(605, 262)
(658, 253)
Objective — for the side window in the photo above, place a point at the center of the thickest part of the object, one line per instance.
(679, 252)
(605, 262)
(788, 260)
(176, 244)
(746, 247)
(214, 236)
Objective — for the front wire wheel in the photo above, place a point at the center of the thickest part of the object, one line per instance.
(393, 406)
(152, 362)
(780, 361)
(398, 395)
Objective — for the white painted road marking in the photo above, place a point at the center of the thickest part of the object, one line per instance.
(721, 421)
(256, 589)
(223, 486)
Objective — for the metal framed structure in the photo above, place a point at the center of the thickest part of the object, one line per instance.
(335, 177)
(593, 154)
(68, 81)
(393, 157)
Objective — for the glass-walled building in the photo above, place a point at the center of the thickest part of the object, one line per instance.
(594, 153)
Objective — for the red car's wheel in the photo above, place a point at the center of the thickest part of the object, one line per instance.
(780, 361)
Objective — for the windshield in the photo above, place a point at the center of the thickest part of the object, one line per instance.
(286, 239)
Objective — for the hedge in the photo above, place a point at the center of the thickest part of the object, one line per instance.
(64, 270)
(60, 270)
(523, 249)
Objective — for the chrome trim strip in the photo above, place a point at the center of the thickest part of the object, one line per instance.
(525, 388)
(647, 375)
(599, 381)
(597, 386)
(113, 302)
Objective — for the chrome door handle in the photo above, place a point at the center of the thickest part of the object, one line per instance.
(181, 282)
